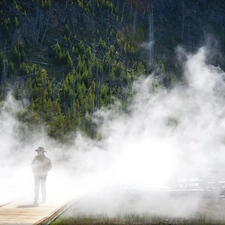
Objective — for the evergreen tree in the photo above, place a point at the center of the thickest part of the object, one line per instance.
(15, 54)
(69, 61)
(22, 55)
(58, 53)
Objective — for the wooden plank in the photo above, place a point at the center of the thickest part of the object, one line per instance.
(24, 212)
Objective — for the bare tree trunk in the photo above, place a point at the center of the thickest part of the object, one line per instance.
(41, 20)
(4, 69)
(74, 91)
(183, 19)
(46, 26)
(123, 11)
(112, 7)
(37, 21)
(151, 34)
(18, 46)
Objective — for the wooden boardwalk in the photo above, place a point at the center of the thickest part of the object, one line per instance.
(23, 212)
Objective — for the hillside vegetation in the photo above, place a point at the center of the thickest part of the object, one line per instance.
(70, 58)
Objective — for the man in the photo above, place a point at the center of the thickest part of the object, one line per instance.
(40, 166)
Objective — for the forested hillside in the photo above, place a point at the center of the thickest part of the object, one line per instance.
(70, 58)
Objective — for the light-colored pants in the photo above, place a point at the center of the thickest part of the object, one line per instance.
(40, 181)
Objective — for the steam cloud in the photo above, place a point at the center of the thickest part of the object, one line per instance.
(166, 134)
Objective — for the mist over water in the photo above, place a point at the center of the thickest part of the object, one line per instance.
(179, 132)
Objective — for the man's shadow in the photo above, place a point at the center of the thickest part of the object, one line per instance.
(30, 205)
(27, 206)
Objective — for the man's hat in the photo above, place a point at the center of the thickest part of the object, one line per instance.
(40, 149)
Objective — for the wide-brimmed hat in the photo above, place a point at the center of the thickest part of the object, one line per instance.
(40, 149)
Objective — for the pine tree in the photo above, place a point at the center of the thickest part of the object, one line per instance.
(56, 125)
(58, 53)
(23, 68)
(16, 22)
(15, 54)
(68, 123)
(77, 115)
(22, 55)
(69, 61)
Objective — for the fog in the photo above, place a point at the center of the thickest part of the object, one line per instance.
(165, 134)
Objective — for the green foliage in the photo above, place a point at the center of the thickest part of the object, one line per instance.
(85, 5)
(22, 55)
(45, 4)
(67, 30)
(15, 55)
(55, 126)
(16, 22)
(72, 73)
(101, 43)
(81, 48)
(6, 23)
(69, 125)
(24, 70)
(11, 68)
(58, 54)
(104, 96)
(69, 60)
(17, 5)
